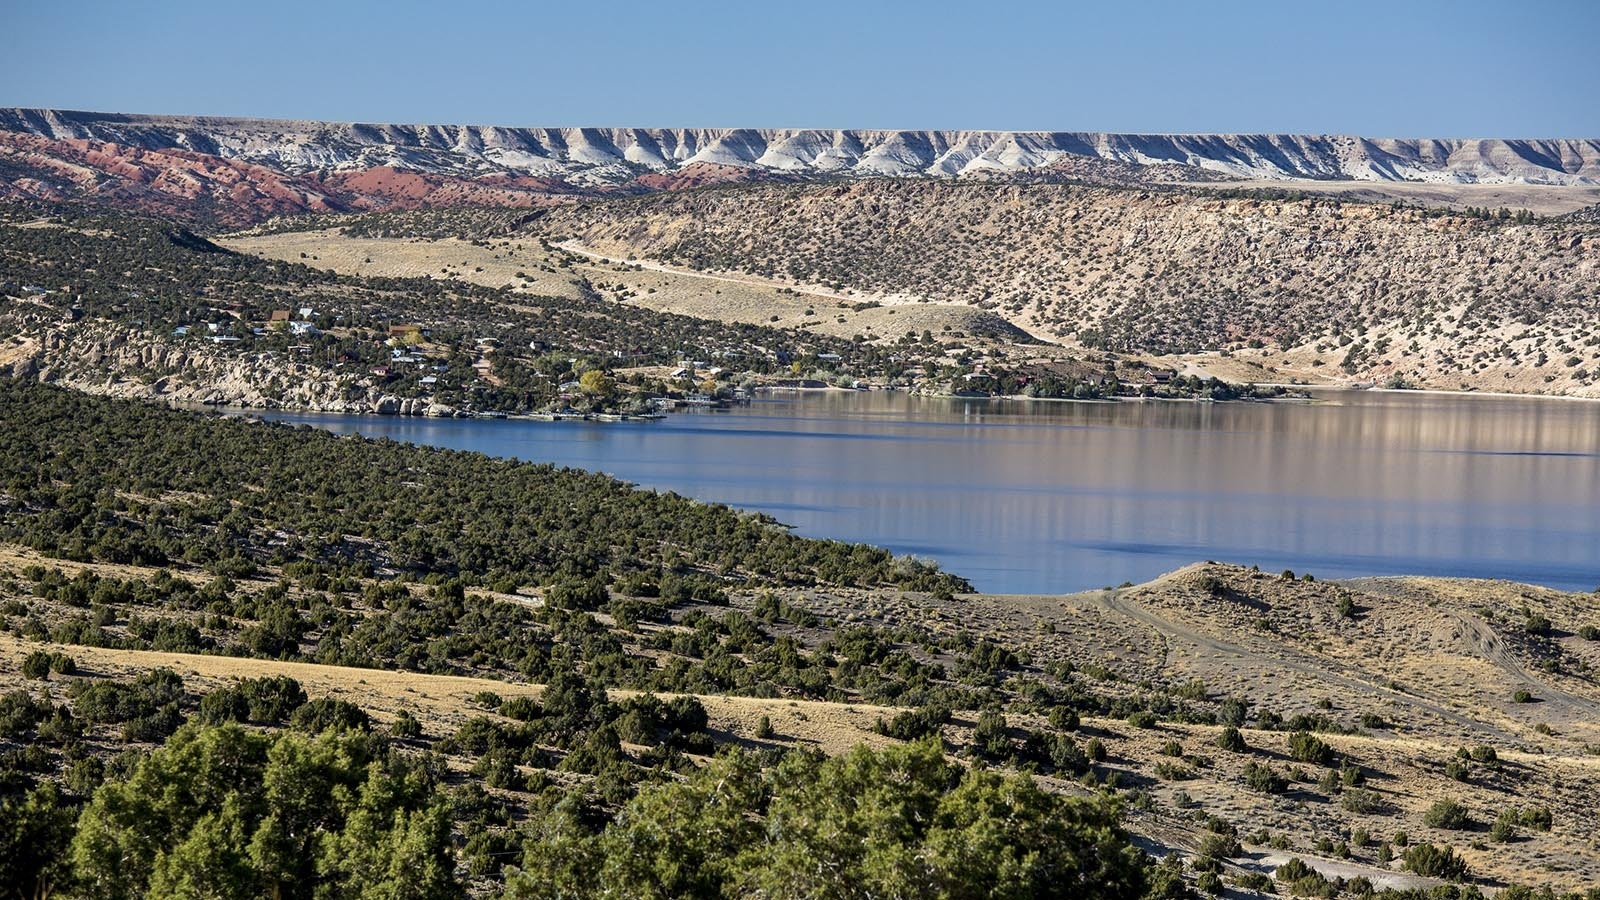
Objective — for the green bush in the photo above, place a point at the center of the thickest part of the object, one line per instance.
(272, 698)
(1293, 870)
(521, 708)
(1253, 881)
(1143, 719)
(1447, 814)
(1430, 861)
(1308, 748)
(1264, 778)
(327, 713)
(1232, 740)
(36, 665)
(1361, 800)
(224, 705)
(405, 725)
(1505, 825)
(1538, 818)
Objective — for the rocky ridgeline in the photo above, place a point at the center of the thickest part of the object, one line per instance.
(119, 362)
(241, 171)
(616, 154)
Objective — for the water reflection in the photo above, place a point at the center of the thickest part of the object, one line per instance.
(1037, 496)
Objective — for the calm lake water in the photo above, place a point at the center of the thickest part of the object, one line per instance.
(1025, 497)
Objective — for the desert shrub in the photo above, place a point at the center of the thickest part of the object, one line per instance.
(1589, 633)
(1447, 814)
(1431, 861)
(1064, 718)
(1361, 800)
(1504, 828)
(20, 711)
(227, 704)
(1143, 718)
(1293, 870)
(1538, 818)
(405, 725)
(1308, 748)
(1264, 778)
(36, 665)
(1219, 846)
(914, 724)
(326, 713)
(990, 735)
(154, 726)
(272, 698)
(1522, 697)
(1169, 771)
(521, 708)
(1253, 881)
(1484, 754)
(1232, 740)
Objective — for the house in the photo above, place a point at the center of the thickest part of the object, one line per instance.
(278, 315)
(381, 371)
(303, 328)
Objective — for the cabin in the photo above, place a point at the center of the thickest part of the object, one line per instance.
(278, 315)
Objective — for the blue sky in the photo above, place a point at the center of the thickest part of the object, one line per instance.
(1403, 68)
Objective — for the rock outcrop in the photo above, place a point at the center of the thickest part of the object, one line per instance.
(242, 170)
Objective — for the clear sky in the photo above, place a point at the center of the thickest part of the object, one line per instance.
(1399, 68)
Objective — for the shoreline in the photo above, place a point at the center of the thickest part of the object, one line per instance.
(611, 418)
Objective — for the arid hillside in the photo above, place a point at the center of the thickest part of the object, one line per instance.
(1304, 288)
(1324, 722)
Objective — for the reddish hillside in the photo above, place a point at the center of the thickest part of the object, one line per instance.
(200, 186)
(386, 186)
(175, 182)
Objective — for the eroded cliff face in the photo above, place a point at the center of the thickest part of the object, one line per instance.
(109, 360)
(242, 170)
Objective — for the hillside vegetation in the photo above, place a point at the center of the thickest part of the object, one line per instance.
(515, 680)
(1359, 290)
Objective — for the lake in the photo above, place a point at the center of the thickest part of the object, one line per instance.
(1038, 496)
